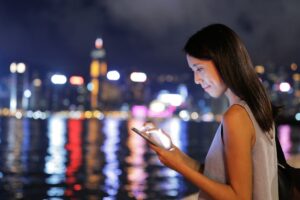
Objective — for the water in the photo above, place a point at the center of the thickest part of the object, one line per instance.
(60, 158)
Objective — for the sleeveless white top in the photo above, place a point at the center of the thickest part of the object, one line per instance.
(264, 160)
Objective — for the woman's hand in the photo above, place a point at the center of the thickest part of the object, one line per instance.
(173, 158)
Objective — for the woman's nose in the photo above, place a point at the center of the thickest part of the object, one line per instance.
(197, 79)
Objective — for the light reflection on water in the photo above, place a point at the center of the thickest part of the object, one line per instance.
(74, 147)
(136, 174)
(94, 158)
(55, 165)
(13, 161)
(110, 147)
(62, 158)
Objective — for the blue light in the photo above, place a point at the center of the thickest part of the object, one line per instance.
(297, 116)
(27, 93)
(110, 147)
(90, 86)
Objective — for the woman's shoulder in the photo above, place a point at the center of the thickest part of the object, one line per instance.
(237, 112)
(237, 119)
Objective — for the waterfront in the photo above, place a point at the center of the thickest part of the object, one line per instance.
(65, 158)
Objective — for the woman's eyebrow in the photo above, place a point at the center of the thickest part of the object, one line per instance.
(197, 65)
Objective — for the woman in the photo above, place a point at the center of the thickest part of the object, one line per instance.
(241, 162)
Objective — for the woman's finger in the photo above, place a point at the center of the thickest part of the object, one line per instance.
(158, 150)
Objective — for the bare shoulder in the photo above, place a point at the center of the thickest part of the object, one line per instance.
(237, 114)
(236, 120)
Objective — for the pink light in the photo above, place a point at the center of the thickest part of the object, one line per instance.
(284, 136)
(76, 80)
(139, 111)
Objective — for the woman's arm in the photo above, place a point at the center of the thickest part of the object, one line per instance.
(238, 137)
(190, 162)
(193, 164)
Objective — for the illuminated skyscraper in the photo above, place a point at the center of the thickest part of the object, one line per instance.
(18, 84)
(35, 93)
(98, 70)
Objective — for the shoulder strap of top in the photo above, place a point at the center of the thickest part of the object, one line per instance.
(222, 133)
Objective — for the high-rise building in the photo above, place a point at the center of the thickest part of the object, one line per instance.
(98, 70)
(18, 85)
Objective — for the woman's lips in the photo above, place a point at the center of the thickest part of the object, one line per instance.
(206, 87)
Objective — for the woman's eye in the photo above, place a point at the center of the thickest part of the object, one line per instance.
(199, 69)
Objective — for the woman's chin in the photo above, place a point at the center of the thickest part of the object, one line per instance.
(214, 95)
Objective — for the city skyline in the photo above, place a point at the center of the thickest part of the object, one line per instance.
(59, 92)
(59, 36)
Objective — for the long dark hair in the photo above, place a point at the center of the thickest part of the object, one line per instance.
(223, 46)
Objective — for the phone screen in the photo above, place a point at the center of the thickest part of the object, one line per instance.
(156, 137)
(144, 135)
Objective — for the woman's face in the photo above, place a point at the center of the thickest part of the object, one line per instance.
(207, 75)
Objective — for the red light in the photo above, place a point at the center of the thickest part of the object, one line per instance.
(77, 187)
(76, 80)
(74, 147)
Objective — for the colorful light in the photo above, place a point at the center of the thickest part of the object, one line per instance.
(58, 79)
(17, 67)
(297, 116)
(139, 111)
(294, 66)
(13, 67)
(284, 87)
(95, 69)
(113, 75)
(99, 43)
(27, 93)
(21, 68)
(138, 77)
(260, 69)
(157, 106)
(172, 99)
(37, 82)
(76, 80)
(184, 115)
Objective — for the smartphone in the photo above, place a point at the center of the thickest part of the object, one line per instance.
(155, 136)
(143, 134)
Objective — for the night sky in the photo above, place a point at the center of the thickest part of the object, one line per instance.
(147, 35)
